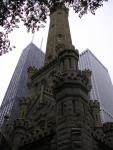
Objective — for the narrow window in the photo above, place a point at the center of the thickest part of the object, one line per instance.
(62, 109)
(74, 106)
(69, 62)
(96, 117)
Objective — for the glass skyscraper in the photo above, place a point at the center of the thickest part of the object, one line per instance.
(102, 88)
(31, 56)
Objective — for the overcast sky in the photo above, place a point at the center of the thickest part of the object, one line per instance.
(94, 32)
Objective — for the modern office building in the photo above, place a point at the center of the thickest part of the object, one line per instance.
(102, 88)
(31, 56)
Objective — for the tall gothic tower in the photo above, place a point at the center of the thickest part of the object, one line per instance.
(58, 114)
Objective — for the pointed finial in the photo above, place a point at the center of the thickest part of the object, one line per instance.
(32, 37)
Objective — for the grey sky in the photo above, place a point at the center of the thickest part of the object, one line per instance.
(93, 32)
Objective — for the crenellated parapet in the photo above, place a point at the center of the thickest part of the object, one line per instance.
(36, 135)
(74, 79)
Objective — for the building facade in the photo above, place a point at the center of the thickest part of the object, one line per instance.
(102, 88)
(31, 56)
(58, 113)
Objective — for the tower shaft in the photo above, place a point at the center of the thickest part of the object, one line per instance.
(59, 33)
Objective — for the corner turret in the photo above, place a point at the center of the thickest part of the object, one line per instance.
(95, 106)
(20, 125)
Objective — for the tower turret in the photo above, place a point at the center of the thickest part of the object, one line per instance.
(68, 60)
(20, 125)
(96, 113)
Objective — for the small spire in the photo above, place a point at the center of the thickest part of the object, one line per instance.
(32, 37)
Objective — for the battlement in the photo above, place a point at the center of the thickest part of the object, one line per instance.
(36, 135)
(73, 78)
